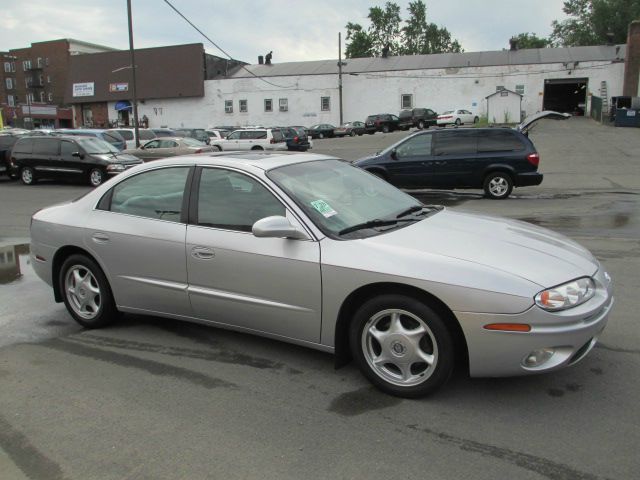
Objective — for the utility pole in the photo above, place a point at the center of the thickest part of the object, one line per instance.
(133, 75)
(340, 65)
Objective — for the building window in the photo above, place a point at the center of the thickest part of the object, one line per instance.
(39, 62)
(9, 83)
(41, 80)
(499, 88)
(46, 61)
(11, 101)
(325, 104)
(520, 89)
(243, 106)
(7, 67)
(30, 98)
(13, 66)
(26, 65)
(228, 106)
(406, 101)
(42, 97)
(284, 104)
(50, 96)
(48, 78)
(268, 105)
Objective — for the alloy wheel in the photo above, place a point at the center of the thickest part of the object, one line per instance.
(83, 292)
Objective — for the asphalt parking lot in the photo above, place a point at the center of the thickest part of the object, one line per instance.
(150, 398)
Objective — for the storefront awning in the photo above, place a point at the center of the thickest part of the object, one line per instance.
(123, 105)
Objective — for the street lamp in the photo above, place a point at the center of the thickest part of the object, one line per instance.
(133, 75)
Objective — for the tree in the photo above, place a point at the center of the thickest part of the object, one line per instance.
(384, 33)
(531, 40)
(591, 22)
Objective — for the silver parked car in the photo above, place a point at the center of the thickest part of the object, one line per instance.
(311, 250)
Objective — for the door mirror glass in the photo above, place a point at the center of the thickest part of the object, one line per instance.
(277, 227)
(394, 154)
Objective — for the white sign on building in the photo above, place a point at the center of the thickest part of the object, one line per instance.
(84, 89)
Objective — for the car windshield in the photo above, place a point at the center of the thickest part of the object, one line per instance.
(192, 142)
(95, 145)
(346, 202)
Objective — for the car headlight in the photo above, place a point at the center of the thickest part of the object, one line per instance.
(115, 167)
(566, 296)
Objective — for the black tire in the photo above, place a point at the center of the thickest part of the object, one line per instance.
(218, 148)
(498, 185)
(74, 293)
(352, 133)
(28, 176)
(96, 177)
(403, 352)
(420, 125)
(371, 133)
(321, 135)
(458, 122)
(476, 119)
(385, 129)
(257, 147)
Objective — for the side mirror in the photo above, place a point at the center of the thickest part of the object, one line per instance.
(79, 155)
(277, 227)
(394, 154)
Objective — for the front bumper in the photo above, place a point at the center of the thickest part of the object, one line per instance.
(571, 334)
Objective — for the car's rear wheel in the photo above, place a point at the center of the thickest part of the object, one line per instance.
(218, 148)
(96, 177)
(385, 128)
(321, 135)
(476, 119)
(86, 292)
(458, 122)
(420, 125)
(257, 148)
(401, 345)
(498, 185)
(27, 175)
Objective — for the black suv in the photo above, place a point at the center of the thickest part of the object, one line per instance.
(418, 117)
(296, 138)
(381, 122)
(68, 157)
(494, 159)
(7, 140)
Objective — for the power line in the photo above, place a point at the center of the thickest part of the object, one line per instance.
(220, 48)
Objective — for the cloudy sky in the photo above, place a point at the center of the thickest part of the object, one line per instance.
(294, 30)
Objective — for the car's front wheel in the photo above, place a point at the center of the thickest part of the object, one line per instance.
(401, 345)
(476, 119)
(321, 135)
(498, 185)
(420, 125)
(96, 177)
(218, 148)
(27, 175)
(352, 133)
(86, 292)
(385, 128)
(458, 122)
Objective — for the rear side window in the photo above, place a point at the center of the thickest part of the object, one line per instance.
(499, 142)
(24, 145)
(405, 114)
(146, 134)
(458, 142)
(420, 145)
(45, 146)
(155, 194)
(126, 134)
(277, 135)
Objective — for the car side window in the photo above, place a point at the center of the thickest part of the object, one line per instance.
(499, 142)
(168, 144)
(459, 142)
(45, 146)
(152, 144)
(418, 145)
(154, 194)
(67, 149)
(233, 201)
(234, 136)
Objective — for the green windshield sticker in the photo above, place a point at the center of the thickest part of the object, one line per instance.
(324, 208)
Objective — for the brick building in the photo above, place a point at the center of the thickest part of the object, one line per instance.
(34, 82)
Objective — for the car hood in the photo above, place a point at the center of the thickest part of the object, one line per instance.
(517, 248)
(118, 158)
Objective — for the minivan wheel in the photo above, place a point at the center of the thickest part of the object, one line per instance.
(96, 177)
(401, 345)
(86, 293)
(498, 185)
(420, 124)
(27, 176)
(385, 128)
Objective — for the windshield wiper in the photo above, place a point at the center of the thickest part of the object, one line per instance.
(419, 208)
(373, 224)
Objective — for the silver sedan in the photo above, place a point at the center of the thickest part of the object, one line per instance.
(169, 147)
(311, 250)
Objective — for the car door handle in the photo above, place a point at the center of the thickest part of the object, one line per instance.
(202, 253)
(100, 237)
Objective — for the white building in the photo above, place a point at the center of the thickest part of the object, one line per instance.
(305, 93)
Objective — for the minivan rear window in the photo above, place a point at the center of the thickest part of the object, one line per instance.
(458, 142)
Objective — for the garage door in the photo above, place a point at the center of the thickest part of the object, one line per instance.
(567, 95)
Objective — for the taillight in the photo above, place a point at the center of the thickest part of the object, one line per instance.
(295, 139)
(533, 159)
(273, 140)
(198, 151)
